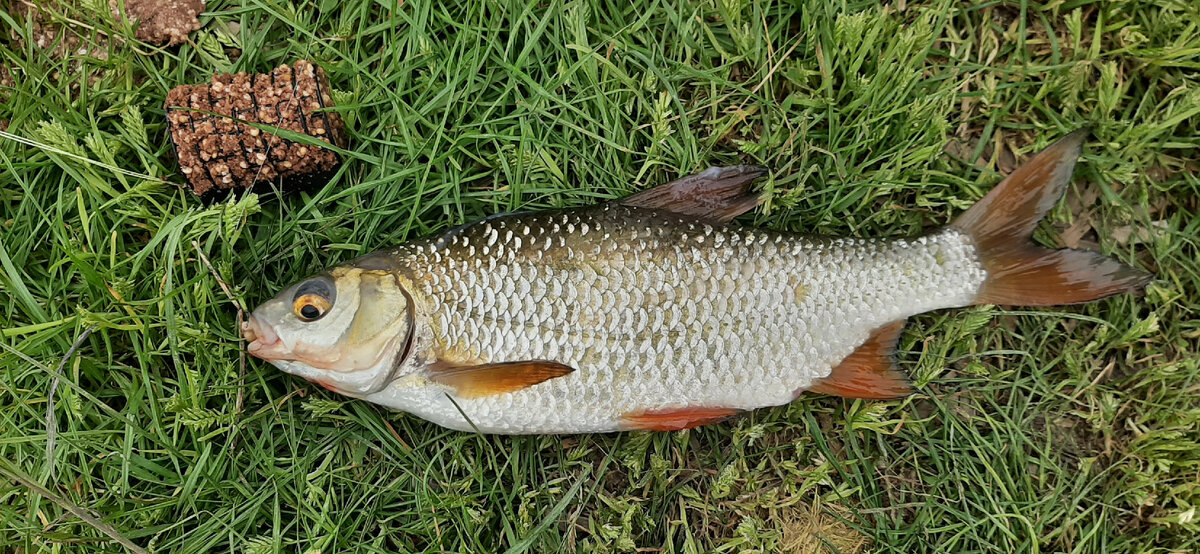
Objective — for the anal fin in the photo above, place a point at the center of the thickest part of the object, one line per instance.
(476, 381)
(717, 194)
(869, 371)
(675, 419)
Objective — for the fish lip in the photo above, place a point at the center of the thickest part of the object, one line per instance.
(260, 336)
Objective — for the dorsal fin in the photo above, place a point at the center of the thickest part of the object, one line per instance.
(475, 381)
(869, 371)
(717, 194)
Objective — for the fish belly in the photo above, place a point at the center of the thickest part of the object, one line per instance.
(658, 313)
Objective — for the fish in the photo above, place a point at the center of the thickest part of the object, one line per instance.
(657, 311)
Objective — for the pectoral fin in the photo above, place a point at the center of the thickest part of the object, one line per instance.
(869, 371)
(476, 381)
(717, 193)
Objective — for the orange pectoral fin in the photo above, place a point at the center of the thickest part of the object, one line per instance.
(675, 419)
(323, 384)
(869, 371)
(475, 381)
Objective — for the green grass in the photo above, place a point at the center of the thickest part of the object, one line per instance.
(1073, 429)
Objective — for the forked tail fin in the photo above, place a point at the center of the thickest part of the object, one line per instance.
(1001, 225)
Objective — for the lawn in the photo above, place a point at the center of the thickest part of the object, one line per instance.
(1073, 429)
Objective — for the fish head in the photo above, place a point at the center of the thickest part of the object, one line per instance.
(348, 330)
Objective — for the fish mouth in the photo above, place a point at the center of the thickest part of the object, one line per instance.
(263, 341)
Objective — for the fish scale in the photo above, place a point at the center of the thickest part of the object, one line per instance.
(706, 315)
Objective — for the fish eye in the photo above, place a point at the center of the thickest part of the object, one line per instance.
(313, 299)
(310, 307)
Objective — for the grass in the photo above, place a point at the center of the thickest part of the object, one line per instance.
(1068, 429)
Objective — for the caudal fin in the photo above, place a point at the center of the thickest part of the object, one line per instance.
(1001, 225)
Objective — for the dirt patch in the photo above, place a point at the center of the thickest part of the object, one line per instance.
(218, 151)
(1001, 152)
(161, 21)
(6, 83)
(45, 33)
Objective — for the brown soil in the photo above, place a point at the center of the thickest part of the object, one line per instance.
(161, 21)
(6, 83)
(220, 152)
(46, 34)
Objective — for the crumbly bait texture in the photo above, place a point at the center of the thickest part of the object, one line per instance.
(166, 22)
(217, 151)
(656, 312)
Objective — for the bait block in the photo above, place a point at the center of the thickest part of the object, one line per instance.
(220, 150)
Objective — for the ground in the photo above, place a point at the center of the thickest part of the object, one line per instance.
(1073, 429)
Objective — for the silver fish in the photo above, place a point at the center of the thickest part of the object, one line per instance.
(655, 312)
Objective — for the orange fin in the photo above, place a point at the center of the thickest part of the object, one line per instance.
(323, 384)
(869, 371)
(717, 193)
(675, 419)
(1001, 225)
(475, 381)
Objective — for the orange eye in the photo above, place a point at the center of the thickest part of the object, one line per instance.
(310, 307)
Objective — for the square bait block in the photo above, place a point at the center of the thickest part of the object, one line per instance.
(218, 152)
